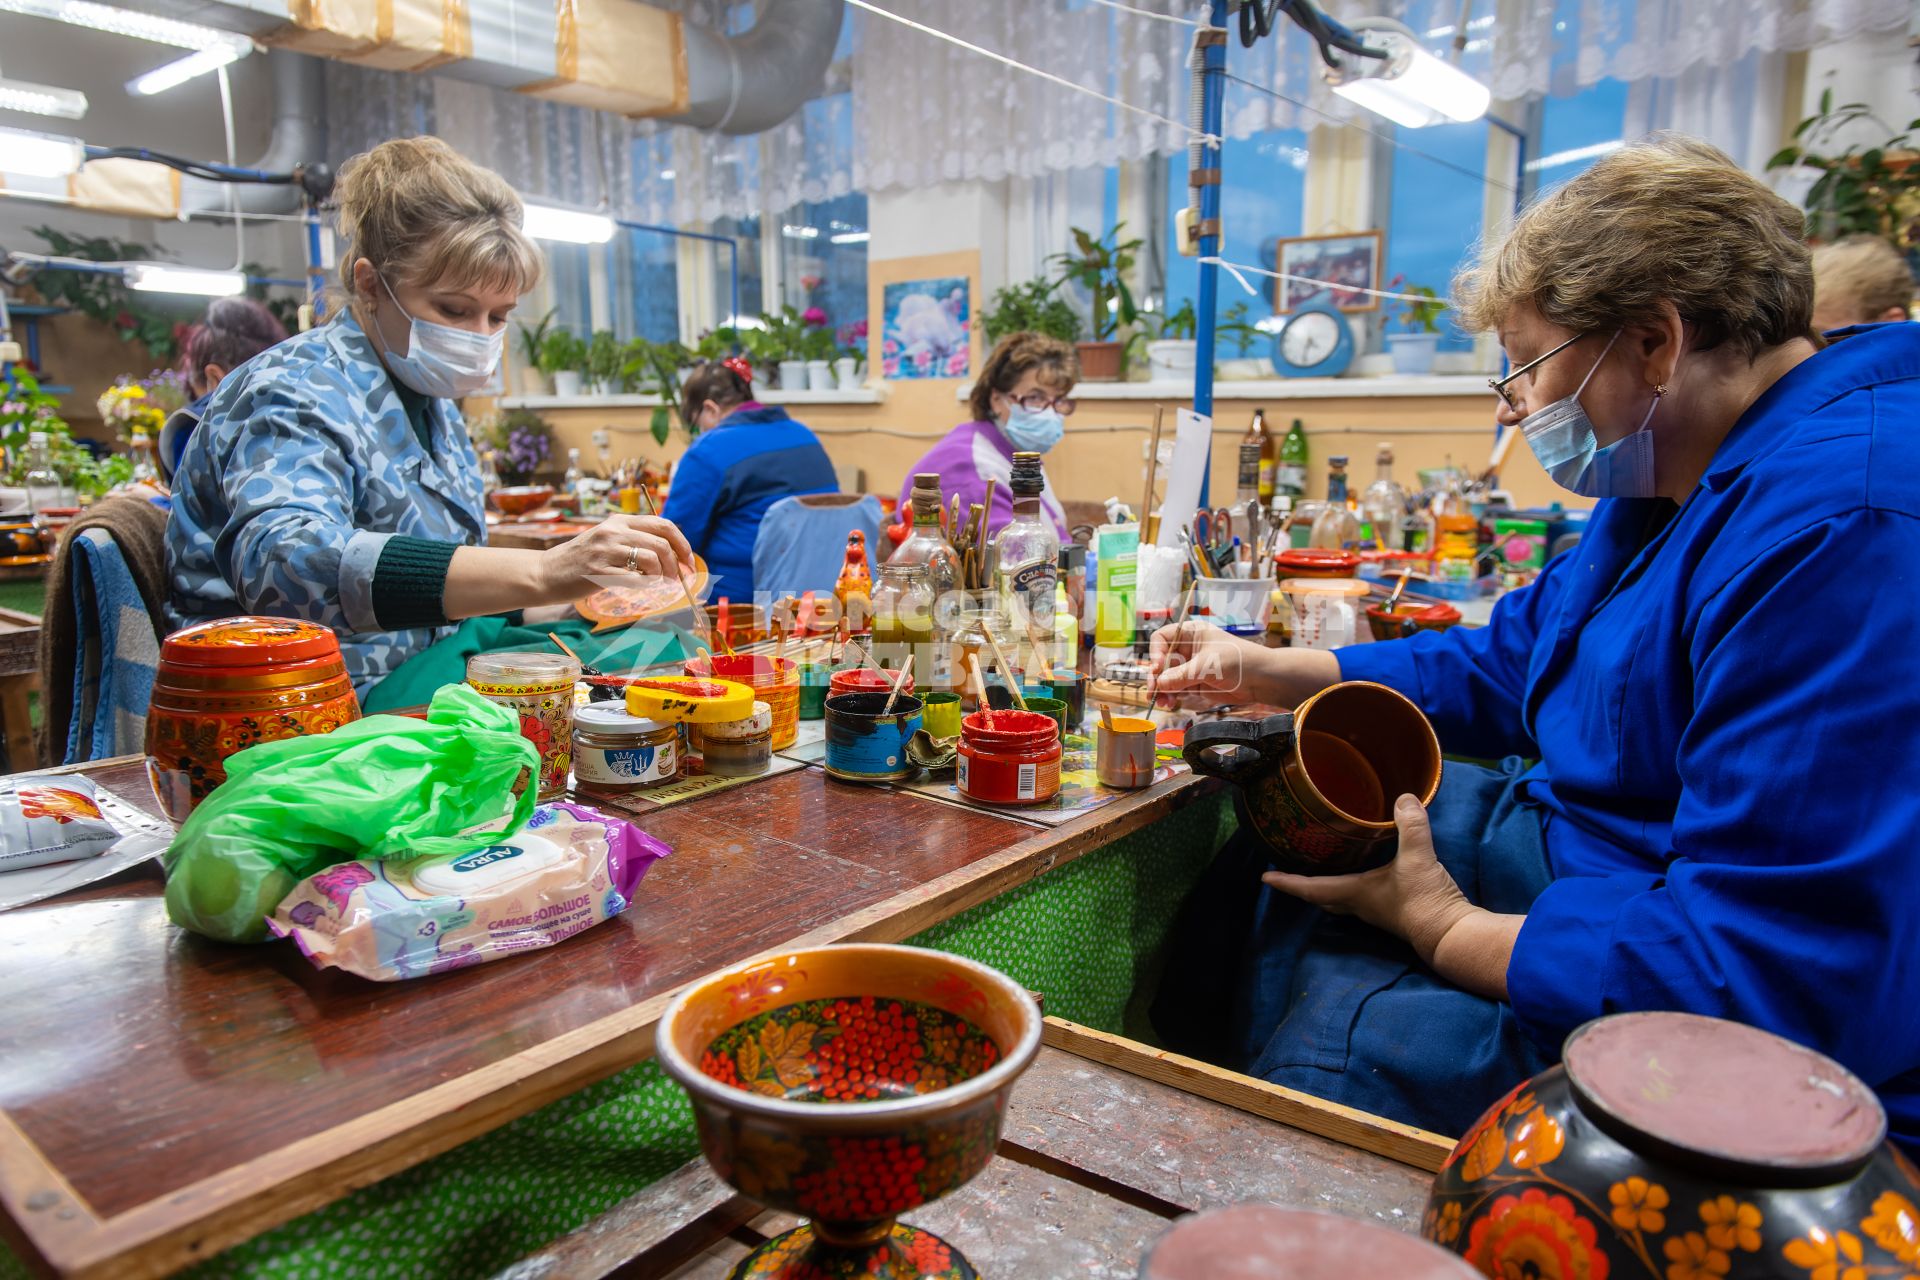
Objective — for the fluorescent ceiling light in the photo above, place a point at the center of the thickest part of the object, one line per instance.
(181, 70)
(1409, 86)
(153, 278)
(125, 22)
(39, 155)
(42, 99)
(544, 222)
(853, 237)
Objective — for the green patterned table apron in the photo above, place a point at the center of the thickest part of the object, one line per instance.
(1088, 935)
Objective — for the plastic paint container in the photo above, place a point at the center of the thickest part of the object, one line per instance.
(1009, 757)
(813, 689)
(615, 753)
(940, 715)
(865, 745)
(539, 686)
(739, 748)
(774, 681)
(1124, 755)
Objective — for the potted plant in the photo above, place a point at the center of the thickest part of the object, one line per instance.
(521, 441)
(1033, 307)
(1100, 265)
(655, 367)
(1414, 349)
(784, 342)
(1170, 355)
(1862, 190)
(562, 356)
(818, 346)
(604, 362)
(531, 339)
(1234, 332)
(850, 347)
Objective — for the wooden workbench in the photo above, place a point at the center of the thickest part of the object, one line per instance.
(163, 1097)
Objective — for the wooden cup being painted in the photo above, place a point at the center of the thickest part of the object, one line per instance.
(1124, 755)
(865, 745)
(940, 715)
(1318, 785)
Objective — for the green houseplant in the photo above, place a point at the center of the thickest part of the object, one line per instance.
(604, 363)
(1099, 264)
(563, 354)
(1862, 190)
(1415, 347)
(655, 367)
(1235, 333)
(1171, 351)
(1034, 306)
(531, 338)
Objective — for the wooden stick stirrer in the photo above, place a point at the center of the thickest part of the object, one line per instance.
(1013, 681)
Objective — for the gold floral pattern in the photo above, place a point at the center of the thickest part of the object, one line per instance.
(1731, 1224)
(1488, 1150)
(1637, 1205)
(1442, 1224)
(1691, 1257)
(1537, 1140)
(1894, 1225)
(1536, 1236)
(1827, 1256)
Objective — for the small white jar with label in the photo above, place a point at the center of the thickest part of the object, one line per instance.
(615, 753)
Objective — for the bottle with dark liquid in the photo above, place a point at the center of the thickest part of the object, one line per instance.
(1252, 446)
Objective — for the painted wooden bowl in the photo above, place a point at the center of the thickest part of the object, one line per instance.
(517, 500)
(1678, 1147)
(851, 1084)
(1263, 1241)
(223, 686)
(1409, 619)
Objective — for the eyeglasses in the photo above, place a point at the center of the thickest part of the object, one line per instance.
(1037, 401)
(1499, 385)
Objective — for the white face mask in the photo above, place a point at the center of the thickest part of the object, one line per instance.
(441, 360)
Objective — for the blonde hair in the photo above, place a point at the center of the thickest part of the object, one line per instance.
(1863, 275)
(422, 213)
(1667, 219)
(1009, 362)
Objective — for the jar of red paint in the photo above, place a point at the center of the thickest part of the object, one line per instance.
(1009, 757)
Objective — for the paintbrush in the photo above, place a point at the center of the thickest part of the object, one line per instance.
(567, 649)
(899, 683)
(1013, 681)
(987, 506)
(1106, 717)
(1406, 575)
(1153, 466)
(1042, 655)
(716, 632)
(980, 692)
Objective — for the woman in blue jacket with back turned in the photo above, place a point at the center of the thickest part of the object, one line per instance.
(1715, 689)
(746, 457)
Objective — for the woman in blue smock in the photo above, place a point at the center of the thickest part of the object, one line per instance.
(1706, 711)
(332, 478)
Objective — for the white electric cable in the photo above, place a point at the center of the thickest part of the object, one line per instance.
(1148, 13)
(1212, 140)
(1235, 268)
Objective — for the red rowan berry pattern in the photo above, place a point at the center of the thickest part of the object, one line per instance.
(852, 1050)
(906, 1254)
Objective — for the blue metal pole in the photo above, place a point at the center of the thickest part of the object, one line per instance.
(1214, 65)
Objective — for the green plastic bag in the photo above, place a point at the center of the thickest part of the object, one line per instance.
(379, 786)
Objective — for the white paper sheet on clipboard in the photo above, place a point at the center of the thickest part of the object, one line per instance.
(142, 837)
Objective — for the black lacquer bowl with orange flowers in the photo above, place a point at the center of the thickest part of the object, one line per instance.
(1685, 1148)
(851, 1084)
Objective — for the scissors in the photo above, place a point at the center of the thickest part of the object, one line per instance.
(1213, 534)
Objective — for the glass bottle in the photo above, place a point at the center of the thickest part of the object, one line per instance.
(854, 588)
(489, 474)
(1290, 477)
(145, 469)
(570, 483)
(1026, 553)
(1252, 446)
(1336, 525)
(1269, 456)
(1385, 503)
(922, 571)
(42, 482)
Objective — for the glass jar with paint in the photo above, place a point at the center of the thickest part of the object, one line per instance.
(739, 748)
(539, 688)
(1009, 757)
(615, 753)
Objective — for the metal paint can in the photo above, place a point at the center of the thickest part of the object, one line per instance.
(866, 745)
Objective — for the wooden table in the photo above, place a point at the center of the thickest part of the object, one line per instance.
(1095, 1159)
(535, 535)
(163, 1097)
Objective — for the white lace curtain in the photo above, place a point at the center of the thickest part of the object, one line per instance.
(921, 111)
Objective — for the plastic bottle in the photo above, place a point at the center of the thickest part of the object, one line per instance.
(1026, 553)
(42, 481)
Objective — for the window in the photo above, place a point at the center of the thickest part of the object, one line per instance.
(1260, 204)
(823, 260)
(1575, 131)
(648, 270)
(1437, 206)
(745, 233)
(571, 274)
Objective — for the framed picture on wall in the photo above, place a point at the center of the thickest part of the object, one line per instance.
(1350, 259)
(928, 328)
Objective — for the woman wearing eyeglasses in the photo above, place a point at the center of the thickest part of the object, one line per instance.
(1706, 715)
(1020, 404)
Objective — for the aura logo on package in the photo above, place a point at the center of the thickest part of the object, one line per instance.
(486, 857)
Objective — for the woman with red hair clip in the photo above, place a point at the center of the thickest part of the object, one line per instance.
(745, 457)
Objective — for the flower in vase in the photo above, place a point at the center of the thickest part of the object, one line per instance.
(813, 317)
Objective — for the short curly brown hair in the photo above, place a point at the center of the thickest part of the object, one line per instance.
(1665, 219)
(1008, 363)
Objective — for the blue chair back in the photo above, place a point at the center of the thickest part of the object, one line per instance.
(802, 542)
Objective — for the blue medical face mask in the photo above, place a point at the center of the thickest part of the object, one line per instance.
(441, 360)
(1034, 430)
(1561, 437)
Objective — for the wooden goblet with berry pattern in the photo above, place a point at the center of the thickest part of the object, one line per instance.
(851, 1084)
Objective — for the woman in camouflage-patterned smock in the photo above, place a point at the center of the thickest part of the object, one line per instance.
(332, 478)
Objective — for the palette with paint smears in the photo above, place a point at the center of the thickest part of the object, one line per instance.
(622, 606)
